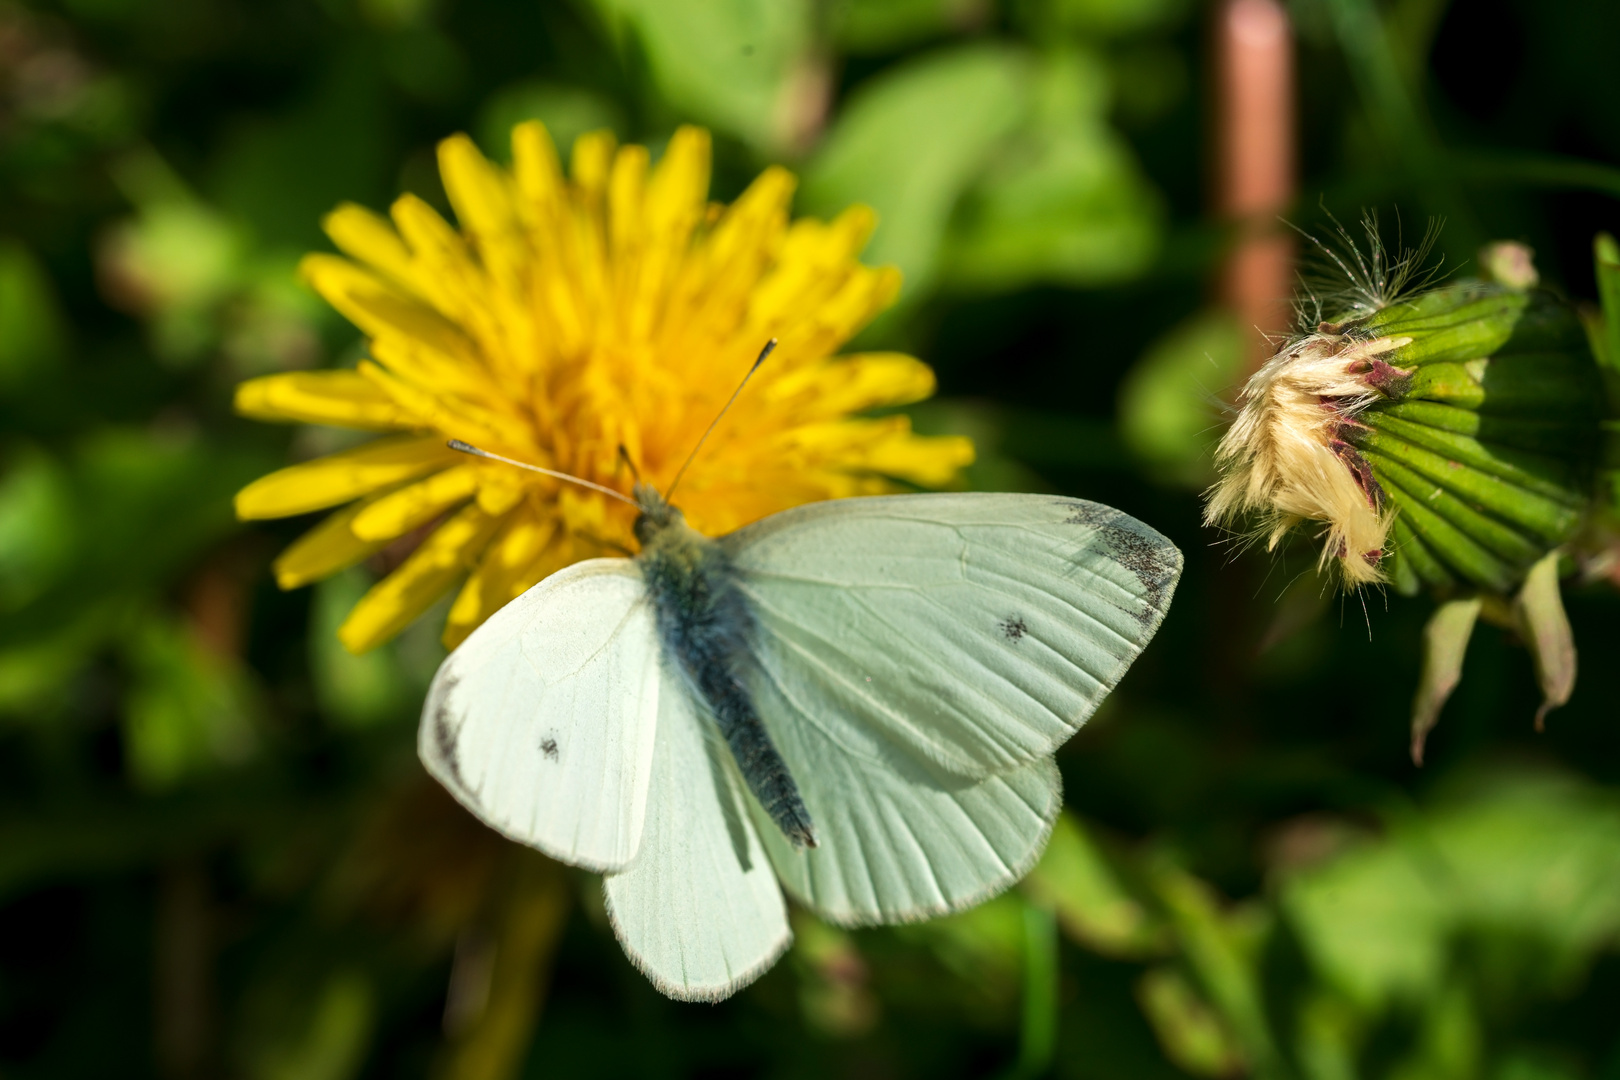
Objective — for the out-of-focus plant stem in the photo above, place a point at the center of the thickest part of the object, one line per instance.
(531, 912)
(1254, 168)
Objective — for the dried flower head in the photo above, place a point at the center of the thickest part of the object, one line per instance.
(568, 317)
(1286, 460)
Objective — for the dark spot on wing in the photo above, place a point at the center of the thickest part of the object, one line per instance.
(1152, 562)
(548, 747)
(1014, 628)
(444, 733)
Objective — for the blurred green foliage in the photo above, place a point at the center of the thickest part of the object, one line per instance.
(217, 853)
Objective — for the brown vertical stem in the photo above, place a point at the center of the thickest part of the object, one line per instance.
(1254, 163)
(1253, 167)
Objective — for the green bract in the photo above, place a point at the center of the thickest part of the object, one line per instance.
(1483, 443)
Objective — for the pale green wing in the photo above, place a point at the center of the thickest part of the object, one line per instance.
(977, 631)
(899, 839)
(542, 723)
(698, 910)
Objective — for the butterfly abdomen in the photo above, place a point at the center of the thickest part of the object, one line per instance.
(705, 625)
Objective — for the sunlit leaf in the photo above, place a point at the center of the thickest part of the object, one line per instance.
(745, 67)
(188, 712)
(1192, 1033)
(1062, 201)
(1094, 907)
(1170, 402)
(910, 141)
(32, 335)
(875, 26)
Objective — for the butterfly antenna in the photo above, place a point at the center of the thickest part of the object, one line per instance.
(624, 456)
(770, 347)
(469, 448)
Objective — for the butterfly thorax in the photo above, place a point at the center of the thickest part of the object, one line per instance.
(707, 628)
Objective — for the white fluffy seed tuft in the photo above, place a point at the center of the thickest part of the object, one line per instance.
(1283, 461)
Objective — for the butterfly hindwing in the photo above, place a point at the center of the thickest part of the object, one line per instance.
(542, 722)
(699, 909)
(900, 838)
(978, 631)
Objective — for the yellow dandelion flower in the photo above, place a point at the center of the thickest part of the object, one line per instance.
(566, 317)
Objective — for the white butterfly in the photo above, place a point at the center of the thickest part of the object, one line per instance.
(857, 698)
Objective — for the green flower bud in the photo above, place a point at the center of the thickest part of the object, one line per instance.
(1445, 441)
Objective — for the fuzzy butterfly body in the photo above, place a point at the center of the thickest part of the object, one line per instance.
(706, 628)
(858, 699)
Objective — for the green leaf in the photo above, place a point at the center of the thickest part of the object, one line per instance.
(879, 26)
(567, 112)
(1606, 259)
(189, 711)
(352, 690)
(1063, 200)
(335, 1035)
(1221, 948)
(1192, 1034)
(911, 141)
(1449, 1039)
(1169, 402)
(745, 67)
(1373, 924)
(1445, 643)
(1528, 862)
(984, 944)
(1038, 1028)
(1101, 18)
(146, 505)
(32, 335)
(1536, 856)
(38, 527)
(1093, 905)
(834, 995)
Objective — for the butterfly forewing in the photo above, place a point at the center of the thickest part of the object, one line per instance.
(975, 631)
(542, 723)
(699, 910)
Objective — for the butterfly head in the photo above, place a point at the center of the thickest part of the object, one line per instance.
(657, 515)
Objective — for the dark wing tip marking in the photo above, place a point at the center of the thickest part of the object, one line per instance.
(548, 747)
(1154, 562)
(444, 732)
(1013, 627)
